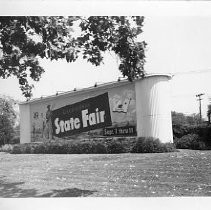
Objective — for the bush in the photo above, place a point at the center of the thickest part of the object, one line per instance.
(52, 148)
(169, 147)
(60, 148)
(17, 149)
(152, 145)
(180, 130)
(86, 148)
(190, 141)
(199, 145)
(28, 149)
(6, 148)
(39, 149)
(100, 148)
(66, 148)
(115, 147)
(205, 133)
(73, 149)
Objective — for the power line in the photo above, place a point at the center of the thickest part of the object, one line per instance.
(191, 95)
(193, 72)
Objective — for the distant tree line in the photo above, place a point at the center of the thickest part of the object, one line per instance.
(180, 118)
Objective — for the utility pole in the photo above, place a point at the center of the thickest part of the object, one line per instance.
(199, 99)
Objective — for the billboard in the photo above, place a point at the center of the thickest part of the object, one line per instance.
(97, 113)
(89, 114)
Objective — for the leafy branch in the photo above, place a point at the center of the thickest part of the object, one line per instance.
(24, 40)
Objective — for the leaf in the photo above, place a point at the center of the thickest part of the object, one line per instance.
(51, 38)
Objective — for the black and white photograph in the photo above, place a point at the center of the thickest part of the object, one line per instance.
(106, 102)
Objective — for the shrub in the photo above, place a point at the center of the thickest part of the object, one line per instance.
(17, 149)
(126, 142)
(60, 148)
(100, 148)
(169, 147)
(190, 141)
(115, 147)
(86, 147)
(6, 148)
(55, 149)
(28, 149)
(199, 145)
(152, 145)
(205, 133)
(73, 149)
(39, 149)
(180, 130)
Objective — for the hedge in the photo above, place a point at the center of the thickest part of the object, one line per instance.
(106, 146)
(152, 145)
(191, 141)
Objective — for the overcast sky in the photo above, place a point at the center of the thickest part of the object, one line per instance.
(176, 43)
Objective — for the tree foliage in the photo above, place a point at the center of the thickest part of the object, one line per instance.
(7, 119)
(181, 119)
(209, 113)
(184, 124)
(24, 40)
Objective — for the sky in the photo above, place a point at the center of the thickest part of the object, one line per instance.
(177, 44)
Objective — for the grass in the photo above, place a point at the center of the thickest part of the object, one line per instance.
(184, 173)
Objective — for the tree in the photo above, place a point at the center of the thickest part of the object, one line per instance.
(7, 119)
(185, 120)
(184, 124)
(209, 113)
(24, 40)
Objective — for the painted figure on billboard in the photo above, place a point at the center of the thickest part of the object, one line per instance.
(49, 129)
(35, 124)
(123, 107)
(42, 125)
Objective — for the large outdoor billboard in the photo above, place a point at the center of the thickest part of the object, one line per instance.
(99, 113)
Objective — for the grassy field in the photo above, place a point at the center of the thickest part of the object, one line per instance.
(184, 173)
